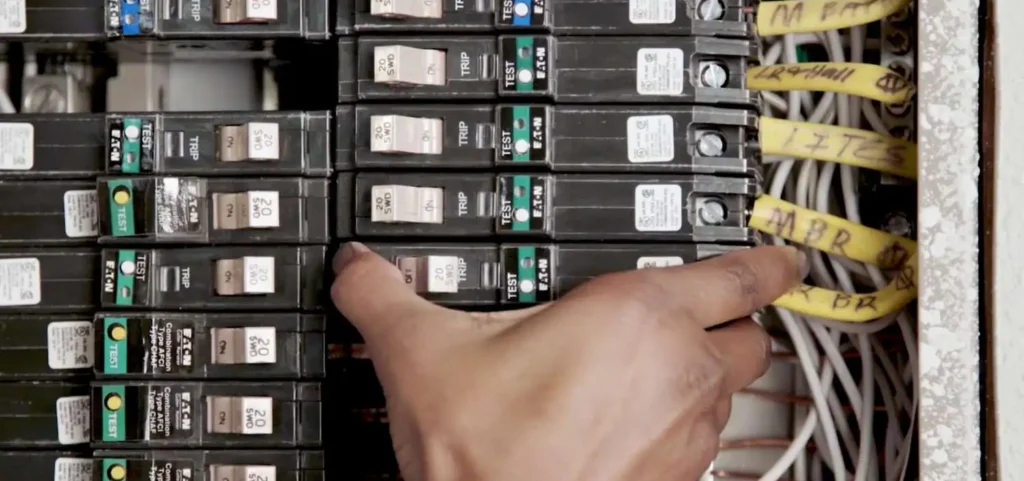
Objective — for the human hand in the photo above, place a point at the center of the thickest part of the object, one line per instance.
(619, 380)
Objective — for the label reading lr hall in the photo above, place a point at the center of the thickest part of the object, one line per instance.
(524, 133)
(147, 346)
(523, 203)
(527, 274)
(525, 63)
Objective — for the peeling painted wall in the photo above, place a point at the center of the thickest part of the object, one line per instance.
(948, 96)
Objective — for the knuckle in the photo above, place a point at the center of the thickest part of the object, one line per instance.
(634, 298)
(744, 282)
(704, 378)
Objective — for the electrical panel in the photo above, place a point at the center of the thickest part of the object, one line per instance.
(164, 271)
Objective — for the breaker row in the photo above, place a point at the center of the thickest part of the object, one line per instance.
(276, 279)
(565, 138)
(141, 211)
(68, 20)
(169, 465)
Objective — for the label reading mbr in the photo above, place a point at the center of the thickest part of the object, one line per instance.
(524, 133)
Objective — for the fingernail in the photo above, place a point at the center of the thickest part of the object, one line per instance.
(805, 263)
(348, 252)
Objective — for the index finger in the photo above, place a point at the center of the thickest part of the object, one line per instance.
(710, 292)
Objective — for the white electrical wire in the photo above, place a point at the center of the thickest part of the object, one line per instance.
(812, 186)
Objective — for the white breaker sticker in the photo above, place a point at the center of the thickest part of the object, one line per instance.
(264, 209)
(658, 208)
(69, 345)
(652, 12)
(259, 275)
(263, 144)
(20, 282)
(658, 261)
(81, 213)
(660, 71)
(72, 469)
(73, 420)
(13, 16)
(651, 138)
(17, 139)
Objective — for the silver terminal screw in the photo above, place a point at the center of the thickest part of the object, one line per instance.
(47, 99)
(710, 144)
(898, 224)
(713, 74)
(710, 10)
(712, 212)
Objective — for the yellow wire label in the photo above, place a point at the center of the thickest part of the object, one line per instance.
(828, 233)
(807, 16)
(863, 80)
(849, 307)
(855, 147)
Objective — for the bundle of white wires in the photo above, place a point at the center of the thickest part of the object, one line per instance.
(843, 452)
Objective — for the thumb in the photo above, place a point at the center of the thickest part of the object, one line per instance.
(372, 294)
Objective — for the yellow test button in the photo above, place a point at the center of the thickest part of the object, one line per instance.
(117, 472)
(121, 197)
(118, 332)
(113, 402)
